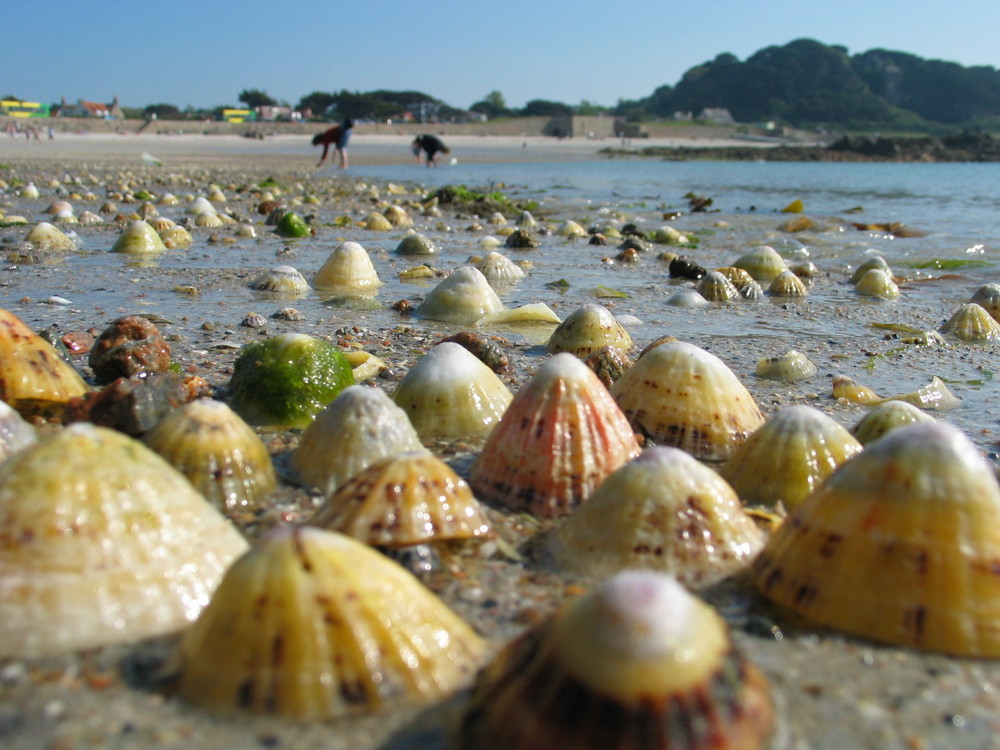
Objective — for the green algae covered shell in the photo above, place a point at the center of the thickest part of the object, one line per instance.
(286, 380)
(292, 225)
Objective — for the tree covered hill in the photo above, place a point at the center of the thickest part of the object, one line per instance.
(808, 84)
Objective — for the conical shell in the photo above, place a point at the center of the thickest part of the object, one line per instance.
(788, 457)
(988, 297)
(561, 436)
(34, 380)
(677, 394)
(787, 284)
(972, 322)
(637, 663)
(359, 427)
(499, 269)
(312, 624)
(217, 451)
(877, 283)
(715, 287)
(588, 328)
(138, 238)
(376, 222)
(415, 243)
(449, 393)
(285, 281)
(571, 230)
(663, 511)
(15, 432)
(763, 263)
(102, 541)
(176, 237)
(349, 269)
(875, 263)
(412, 498)
(397, 216)
(886, 417)
(45, 237)
(791, 367)
(899, 545)
(464, 296)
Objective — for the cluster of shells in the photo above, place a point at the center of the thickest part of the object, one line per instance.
(650, 476)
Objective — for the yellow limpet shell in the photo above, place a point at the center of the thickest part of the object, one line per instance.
(886, 417)
(176, 236)
(663, 511)
(209, 219)
(138, 238)
(791, 367)
(875, 263)
(899, 545)
(359, 427)
(787, 284)
(376, 222)
(411, 498)
(678, 394)
(638, 662)
(570, 229)
(46, 237)
(464, 296)
(101, 542)
(877, 283)
(34, 379)
(588, 328)
(849, 389)
(449, 393)
(217, 451)
(788, 457)
(763, 263)
(397, 216)
(715, 287)
(560, 437)
(972, 322)
(349, 268)
(988, 297)
(313, 625)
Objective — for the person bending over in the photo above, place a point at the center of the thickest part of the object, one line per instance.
(431, 145)
(337, 136)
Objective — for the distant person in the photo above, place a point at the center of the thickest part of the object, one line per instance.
(337, 136)
(431, 145)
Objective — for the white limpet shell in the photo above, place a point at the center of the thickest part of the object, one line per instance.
(209, 219)
(678, 394)
(161, 224)
(449, 393)
(899, 545)
(588, 328)
(138, 238)
(687, 298)
(886, 417)
(89, 218)
(662, 511)
(788, 457)
(533, 312)
(464, 296)
(360, 426)
(499, 269)
(46, 237)
(403, 500)
(972, 322)
(104, 542)
(560, 437)
(934, 396)
(988, 297)
(571, 230)
(176, 236)
(313, 625)
(218, 452)
(526, 219)
(791, 367)
(489, 242)
(877, 283)
(285, 281)
(348, 269)
(638, 662)
(763, 263)
(200, 205)
(15, 432)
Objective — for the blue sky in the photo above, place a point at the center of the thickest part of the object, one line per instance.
(204, 53)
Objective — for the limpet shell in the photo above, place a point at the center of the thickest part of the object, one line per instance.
(570, 230)
(176, 237)
(311, 624)
(348, 269)
(411, 498)
(359, 427)
(899, 545)
(636, 663)
(763, 263)
(217, 451)
(886, 417)
(715, 287)
(499, 269)
(588, 328)
(875, 263)
(464, 296)
(787, 284)
(678, 394)
(397, 216)
(449, 393)
(687, 298)
(15, 432)
(560, 437)
(46, 237)
(102, 541)
(849, 389)
(285, 281)
(376, 222)
(662, 511)
(34, 379)
(935, 396)
(138, 238)
(416, 243)
(788, 457)
(972, 322)
(877, 283)
(988, 297)
(791, 367)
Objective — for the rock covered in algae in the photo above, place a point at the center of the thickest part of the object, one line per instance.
(101, 542)
(292, 225)
(287, 379)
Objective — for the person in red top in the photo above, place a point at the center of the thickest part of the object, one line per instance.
(337, 136)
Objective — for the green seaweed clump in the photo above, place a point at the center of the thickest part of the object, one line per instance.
(286, 380)
(292, 225)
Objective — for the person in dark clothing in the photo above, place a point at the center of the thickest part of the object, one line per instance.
(431, 145)
(337, 136)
